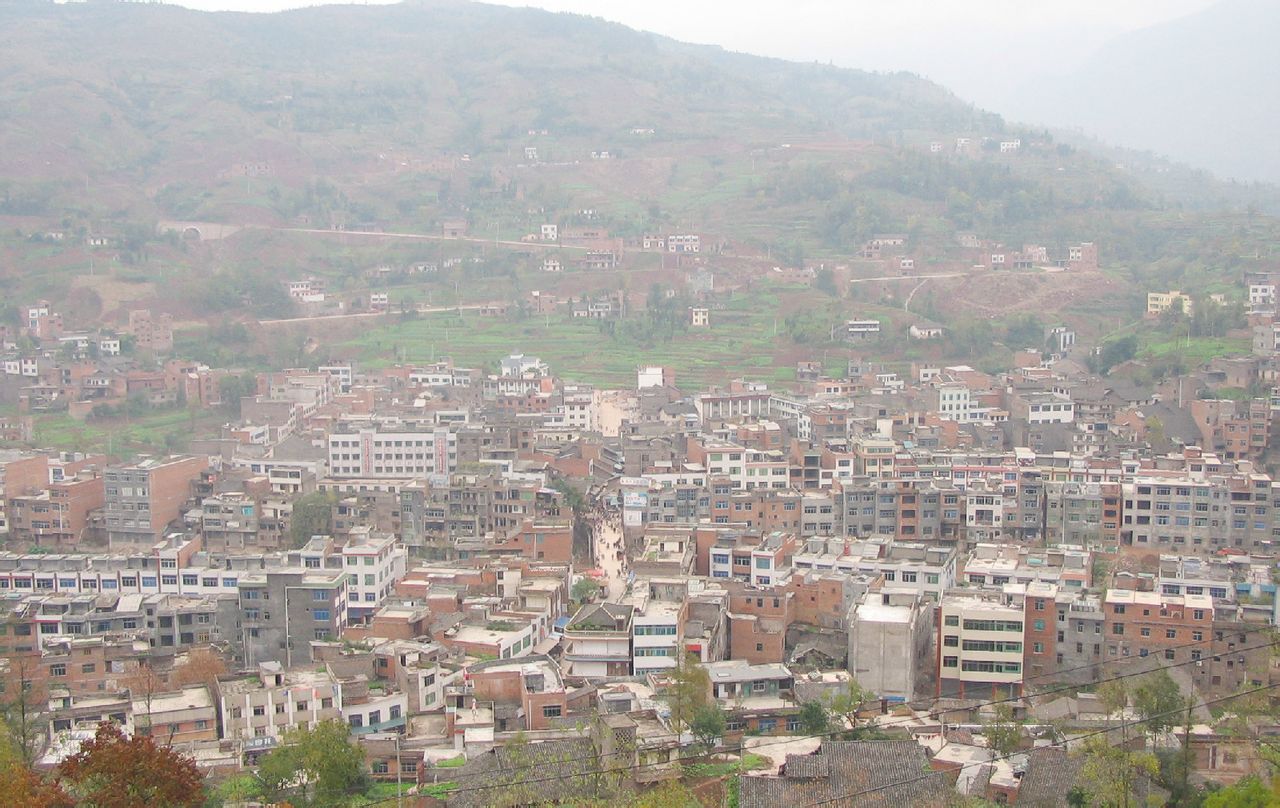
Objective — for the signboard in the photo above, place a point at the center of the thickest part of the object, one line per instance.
(635, 499)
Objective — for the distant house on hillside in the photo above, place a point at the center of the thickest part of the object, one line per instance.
(453, 228)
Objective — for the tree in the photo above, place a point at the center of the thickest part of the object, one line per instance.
(1248, 793)
(847, 702)
(690, 689)
(1003, 733)
(231, 389)
(1158, 701)
(314, 768)
(23, 699)
(312, 515)
(671, 794)
(1113, 696)
(814, 718)
(20, 785)
(144, 683)
(825, 281)
(115, 771)
(585, 589)
(1109, 772)
(707, 725)
(1117, 351)
(203, 667)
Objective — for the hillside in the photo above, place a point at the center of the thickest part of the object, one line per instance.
(1194, 89)
(297, 128)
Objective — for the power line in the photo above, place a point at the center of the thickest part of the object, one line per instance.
(1085, 736)
(833, 732)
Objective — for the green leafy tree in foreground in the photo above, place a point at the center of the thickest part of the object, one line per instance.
(814, 718)
(314, 768)
(707, 725)
(846, 703)
(585, 589)
(312, 515)
(1110, 773)
(1003, 733)
(1248, 793)
(1158, 701)
(690, 689)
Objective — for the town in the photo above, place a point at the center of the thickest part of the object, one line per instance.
(468, 567)
(449, 404)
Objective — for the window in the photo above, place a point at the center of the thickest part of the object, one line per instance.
(260, 710)
(951, 620)
(321, 614)
(551, 711)
(58, 669)
(380, 767)
(950, 661)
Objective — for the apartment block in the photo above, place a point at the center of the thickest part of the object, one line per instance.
(143, 499)
(980, 647)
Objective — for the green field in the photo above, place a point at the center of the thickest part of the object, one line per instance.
(158, 431)
(740, 342)
(1195, 349)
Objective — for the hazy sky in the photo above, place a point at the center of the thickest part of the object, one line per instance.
(982, 49)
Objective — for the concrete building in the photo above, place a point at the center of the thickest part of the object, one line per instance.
(890, 632)
(143, 499)
(282, 611)
(597, 641)
(373, 564)
(656, 635)
(275, 701)
(377, 454)
(980, 648)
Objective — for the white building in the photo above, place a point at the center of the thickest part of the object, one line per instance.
(655, 636)
(1045, 408)
(373, 454)
(373, 564)
(550, 232)
(342, 372)
(980, 646)
(684, 243)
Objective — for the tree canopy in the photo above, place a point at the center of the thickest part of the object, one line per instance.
(116, 771)
(314, 768)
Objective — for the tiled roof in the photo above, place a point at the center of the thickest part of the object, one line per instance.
(853, 773)
(526, 774)
(1051, 773)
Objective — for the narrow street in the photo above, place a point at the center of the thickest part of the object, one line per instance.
(607, 541)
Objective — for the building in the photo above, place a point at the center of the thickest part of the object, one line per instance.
(188, 715)
(699, 317)
(151, 333)
(890, 632)
(597, 641)
(1160, 302)
(656, 639)
(373, 453)
(282, 611)
(265, 706)
(143, 499)
(979, 648)
(374, 564)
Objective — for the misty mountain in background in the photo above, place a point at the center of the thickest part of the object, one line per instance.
(1200, 89)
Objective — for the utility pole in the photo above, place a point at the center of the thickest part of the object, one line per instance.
(399, 785)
